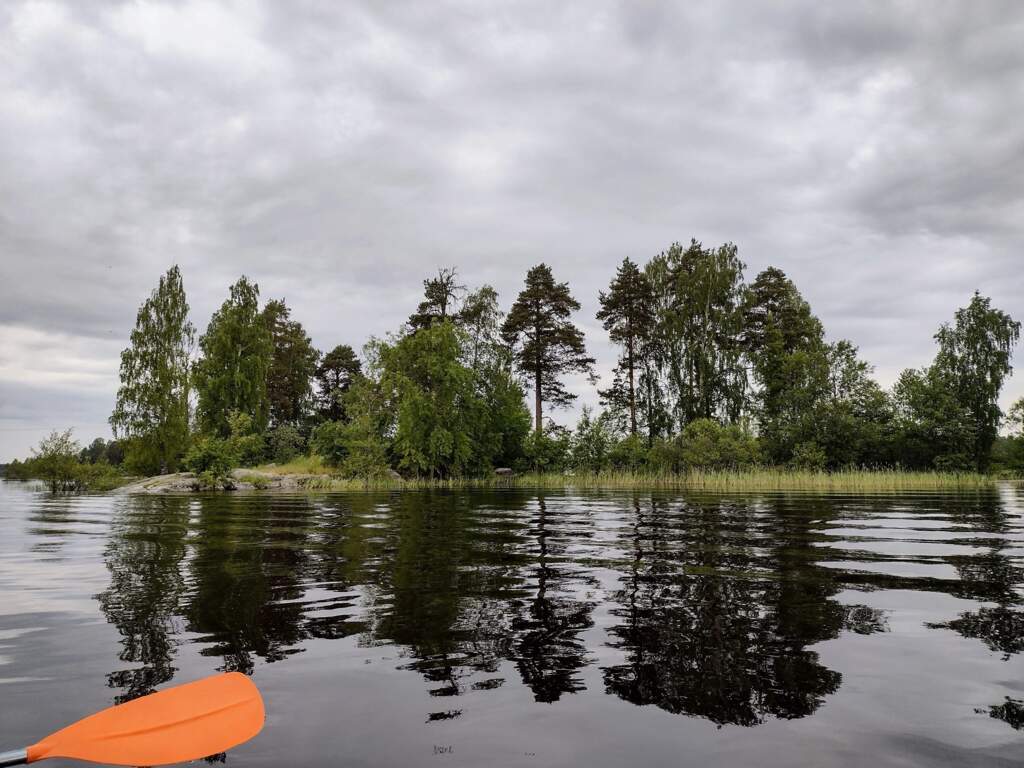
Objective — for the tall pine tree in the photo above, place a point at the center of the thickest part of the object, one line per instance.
(292, 365)
(547, 344)
(338, 371)
(627, 312)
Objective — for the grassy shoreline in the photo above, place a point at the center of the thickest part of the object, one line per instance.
(315, 476)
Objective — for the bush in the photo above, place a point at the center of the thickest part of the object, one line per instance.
(808, 455)
(547, 451)
(55, 461)
(285, 443)
(592, 442)
(629, 453)
(99, 476)
(706, 444)
(212, 459)
(665, 456)
(247, 443)
(330, 440)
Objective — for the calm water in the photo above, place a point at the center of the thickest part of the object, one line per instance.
(541, 629)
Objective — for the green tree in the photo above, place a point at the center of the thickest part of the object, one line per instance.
(701, 329)
(933, 429)
(55, 461)
(547, 344)
(784, 343)
(440, 296)
(973, 361)
(435, 401)
(237, 351)
(293, 364)
(627, 313)
(152, 408)
(339, 369)
(592, 441)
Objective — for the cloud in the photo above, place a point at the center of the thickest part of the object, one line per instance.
(339, 152)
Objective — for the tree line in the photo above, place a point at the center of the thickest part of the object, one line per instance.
(713, 371)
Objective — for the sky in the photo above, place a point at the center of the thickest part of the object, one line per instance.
(338, 153)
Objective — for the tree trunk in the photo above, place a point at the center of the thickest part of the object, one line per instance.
(537, 400)
(632, 392)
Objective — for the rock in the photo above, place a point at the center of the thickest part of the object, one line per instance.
(503, 472)
(394, 475)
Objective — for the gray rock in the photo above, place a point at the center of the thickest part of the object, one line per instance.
(503, 472)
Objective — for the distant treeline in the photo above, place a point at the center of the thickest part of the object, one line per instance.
(713, 372)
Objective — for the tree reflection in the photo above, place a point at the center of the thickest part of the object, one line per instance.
(716, 618)
(547, 647)
(144, 555)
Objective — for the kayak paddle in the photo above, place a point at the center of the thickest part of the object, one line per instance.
(182, 723)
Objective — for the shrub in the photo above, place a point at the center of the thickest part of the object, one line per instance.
(55, 461)
(628, 453)
(665, 456)
(706, 444)
(547, 451)
(212, 459)
(285, 443)
(591, 442)
(808, 455)
(331, 441)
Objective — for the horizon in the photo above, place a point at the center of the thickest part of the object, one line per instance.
(339, 156)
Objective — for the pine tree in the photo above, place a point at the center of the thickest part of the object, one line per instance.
(547, 344)
(440, 295)
(338, 371)
(231, 376)
(627, 312)
(152, 407)
(293, 364)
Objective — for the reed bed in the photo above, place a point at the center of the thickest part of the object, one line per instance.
(764, 479)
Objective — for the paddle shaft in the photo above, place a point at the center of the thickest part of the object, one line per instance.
(14, 757)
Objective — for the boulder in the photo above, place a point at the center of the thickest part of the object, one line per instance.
(503, 472)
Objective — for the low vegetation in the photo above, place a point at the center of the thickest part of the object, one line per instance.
(61, 463)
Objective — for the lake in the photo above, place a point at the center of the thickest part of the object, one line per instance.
(508, 628)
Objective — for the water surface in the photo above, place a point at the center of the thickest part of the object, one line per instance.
(533, 628)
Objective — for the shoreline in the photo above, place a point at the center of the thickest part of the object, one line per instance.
(781, 480)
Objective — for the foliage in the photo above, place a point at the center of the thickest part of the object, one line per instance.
(285, 442)
(699, 329)
(293, 364)
(330, 441)
(808, 455)
(335, 374)
(706, 444)
(365, 434)
(547, 345)
(435, 401)
(973, 361)
(55, 461)
(212, 459)
(152, 407)
(546, 451)
(629, 453)
(627, 313)
(440, 295)
(592, 441)
(237, 352)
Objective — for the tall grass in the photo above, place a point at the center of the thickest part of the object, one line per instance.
(865, 481)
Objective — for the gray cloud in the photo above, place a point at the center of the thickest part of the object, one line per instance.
(339, 152)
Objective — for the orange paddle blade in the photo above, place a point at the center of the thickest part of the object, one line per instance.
(186, 722)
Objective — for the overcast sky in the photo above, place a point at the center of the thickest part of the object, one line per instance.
(338, 153)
